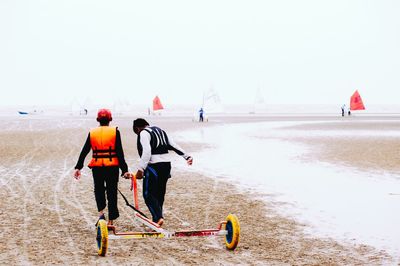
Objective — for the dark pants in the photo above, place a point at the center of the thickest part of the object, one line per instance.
(106, 179)
(154, 187)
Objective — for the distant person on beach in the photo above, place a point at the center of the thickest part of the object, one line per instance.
(343, 107)
(153, 145)
(107, 158)
(201, 115)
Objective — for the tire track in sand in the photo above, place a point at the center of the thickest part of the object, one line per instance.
(63, 193)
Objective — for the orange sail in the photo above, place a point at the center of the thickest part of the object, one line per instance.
(356, 102)
(157, 104)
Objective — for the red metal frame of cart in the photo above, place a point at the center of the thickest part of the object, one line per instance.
(229, 228)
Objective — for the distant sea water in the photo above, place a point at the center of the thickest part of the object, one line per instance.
(190, 110)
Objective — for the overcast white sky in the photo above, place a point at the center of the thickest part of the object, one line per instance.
(295, 51)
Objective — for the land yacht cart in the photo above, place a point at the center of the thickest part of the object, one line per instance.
(229, 228)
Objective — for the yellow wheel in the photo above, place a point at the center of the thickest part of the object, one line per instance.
(233, 232)
(102, 237)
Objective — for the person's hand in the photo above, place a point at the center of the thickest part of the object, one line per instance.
(127, 175)
(77, 174)
(139, 174)
(189, 160)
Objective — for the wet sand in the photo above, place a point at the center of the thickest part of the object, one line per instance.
(367, 152)
(48, 217)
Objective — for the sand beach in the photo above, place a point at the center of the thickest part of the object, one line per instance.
(48, 217)
(300, 138)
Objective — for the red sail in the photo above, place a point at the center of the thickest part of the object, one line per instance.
(356, 102)
(157, 104)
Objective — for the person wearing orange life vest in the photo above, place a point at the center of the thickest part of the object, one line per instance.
(107, 158)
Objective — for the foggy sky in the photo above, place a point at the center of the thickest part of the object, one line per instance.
(295, 51)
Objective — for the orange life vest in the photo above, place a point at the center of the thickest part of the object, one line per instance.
(102, 140)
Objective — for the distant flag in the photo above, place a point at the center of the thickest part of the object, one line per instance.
(356, 102)
(157, 104)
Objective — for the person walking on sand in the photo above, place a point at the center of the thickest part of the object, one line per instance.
(107, 158)
(201, 115)
(153, 145)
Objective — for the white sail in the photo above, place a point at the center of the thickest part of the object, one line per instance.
(212, 102)
(76, 107)
(121, 106)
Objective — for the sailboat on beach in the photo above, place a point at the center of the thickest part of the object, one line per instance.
(356, 103)
(259, 103)
(121, 106)
(33, 110)
(157, 105)
(212, 102)
(79, 108)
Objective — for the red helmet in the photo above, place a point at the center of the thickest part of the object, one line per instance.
(104, 114)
